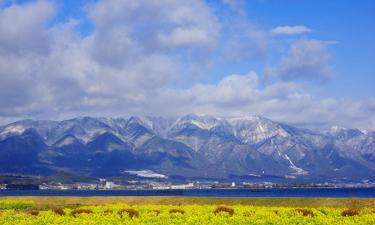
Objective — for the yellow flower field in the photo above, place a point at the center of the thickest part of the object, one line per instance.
(188, 214)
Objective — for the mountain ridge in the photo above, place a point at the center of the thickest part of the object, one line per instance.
(189, 146)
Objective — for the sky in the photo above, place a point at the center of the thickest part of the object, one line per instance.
(302, 62)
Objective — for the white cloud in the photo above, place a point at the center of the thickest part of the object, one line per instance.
(154, 25)
(239, 95)
(305, 59)
(51, 70)
(137, 50)
(290, 30)
(24, 43)
(226, 92)
(186, 37)
(22, 28)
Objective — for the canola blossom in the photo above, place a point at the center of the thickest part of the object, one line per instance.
(188, 214)
(14, 204)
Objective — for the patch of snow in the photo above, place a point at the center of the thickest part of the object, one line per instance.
(299, 171)
(66, 141)
(205, 126)
(18, 129)
(147, 123)
(146, 174)
(254, 175)
(243, 118)
(337, 128)
(255, 129)
(144, 121)
(203, 122)
(11, 130)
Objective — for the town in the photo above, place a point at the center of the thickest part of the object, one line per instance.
(104, 184)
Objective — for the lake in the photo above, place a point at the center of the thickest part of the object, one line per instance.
(274, 192)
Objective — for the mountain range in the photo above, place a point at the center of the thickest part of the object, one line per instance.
(191, 146)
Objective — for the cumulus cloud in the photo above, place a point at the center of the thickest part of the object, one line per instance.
(290, 30)
(22, 28)
(132, 51)
(239, 95)
(137, 50)
(305, 59)
(24, 42)
(127, 29)
(186, 37)
(226, 92)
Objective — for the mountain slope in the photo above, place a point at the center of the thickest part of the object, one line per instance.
(189, 146)
(20, 154)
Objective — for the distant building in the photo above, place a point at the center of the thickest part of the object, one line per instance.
(183, 186)
(85, 186)
(161, 187)
(233, 184)
(205, 184)
(43, 187)
(109, 185)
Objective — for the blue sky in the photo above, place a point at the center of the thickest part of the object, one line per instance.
(298, 61)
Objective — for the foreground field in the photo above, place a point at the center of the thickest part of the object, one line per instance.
(27, 212)
(45, 202)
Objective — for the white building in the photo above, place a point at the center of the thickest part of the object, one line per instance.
(183, 186)
(109, 185)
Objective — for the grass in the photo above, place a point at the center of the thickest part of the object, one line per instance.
(73, 202)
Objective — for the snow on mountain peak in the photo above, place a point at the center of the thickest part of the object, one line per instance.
(144, 121)
(16, 129)
(335, 129)
(253, 129)
(203, 122)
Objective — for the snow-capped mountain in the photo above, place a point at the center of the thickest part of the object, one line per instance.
(189, 146)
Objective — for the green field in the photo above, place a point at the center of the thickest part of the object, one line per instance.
(185, 210)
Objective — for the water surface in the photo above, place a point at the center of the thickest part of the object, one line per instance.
(274, 192)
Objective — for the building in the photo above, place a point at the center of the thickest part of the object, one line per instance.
(183, 186)
(109, 185)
